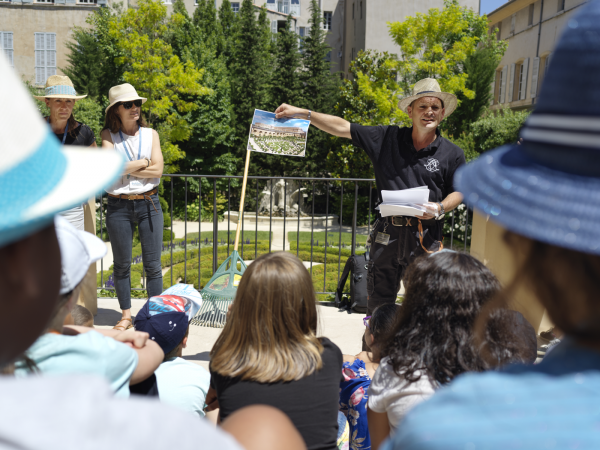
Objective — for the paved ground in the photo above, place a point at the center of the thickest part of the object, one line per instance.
(344, 329)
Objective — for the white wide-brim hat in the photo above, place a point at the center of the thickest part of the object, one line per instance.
(59, 86)
(78, 249)
(122, 93)
(429, 87)
(38, 177)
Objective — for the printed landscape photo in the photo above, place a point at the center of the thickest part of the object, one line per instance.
(277, 136)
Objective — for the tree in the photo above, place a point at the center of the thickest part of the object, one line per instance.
(157, 73)
(227, 20)
(93, 53)
(248, 69)
(370, 97)
(205, 20)
(320, 89)
(480, 67)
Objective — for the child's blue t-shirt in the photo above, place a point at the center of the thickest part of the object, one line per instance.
(87, 353)
(183, 384)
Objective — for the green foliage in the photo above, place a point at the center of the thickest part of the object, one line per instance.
(370, 98)
(497, 128)
(94, 51)
(157, 73)
(480, 67)
(91, 113)
(249, 70)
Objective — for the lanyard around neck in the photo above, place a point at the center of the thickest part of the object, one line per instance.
(127, 151)
(65, 133)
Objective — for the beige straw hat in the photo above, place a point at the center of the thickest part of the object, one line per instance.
(59, 86)
(122, 93)
(429, 87)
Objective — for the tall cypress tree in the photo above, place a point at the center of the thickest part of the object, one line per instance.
(205, 20)
(320, 89)
(227, 20)
(248, 68)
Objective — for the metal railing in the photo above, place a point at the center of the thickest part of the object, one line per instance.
(325, 195)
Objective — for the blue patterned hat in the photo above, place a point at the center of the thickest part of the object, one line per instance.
(59, 86)
(548, 188)
(39, 177)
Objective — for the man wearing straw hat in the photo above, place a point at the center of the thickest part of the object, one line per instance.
(402, 158)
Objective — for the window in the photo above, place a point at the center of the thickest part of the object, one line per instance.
(283, 6)
(235, 7)
(530, 19)
(561, 5)
(546, 64)
(45, 56)
(328, 56)
(6, 43)
(302, 31)
(513, 20)
(295, 8)
(327, 17)
(44, 1)
(499, 34)
(502, 83)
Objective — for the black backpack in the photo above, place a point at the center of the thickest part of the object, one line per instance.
(357, 265)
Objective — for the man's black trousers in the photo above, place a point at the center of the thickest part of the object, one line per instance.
(388, 263)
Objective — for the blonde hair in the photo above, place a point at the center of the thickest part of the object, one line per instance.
(270, 334)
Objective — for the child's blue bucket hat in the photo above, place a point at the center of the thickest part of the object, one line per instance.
(548, 188)
(39, 177)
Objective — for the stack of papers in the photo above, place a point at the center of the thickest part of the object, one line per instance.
(406, 202)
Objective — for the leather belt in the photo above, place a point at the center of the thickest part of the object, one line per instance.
(407, 221)
(142, 196)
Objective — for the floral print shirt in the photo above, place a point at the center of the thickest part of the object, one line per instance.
(353, 402)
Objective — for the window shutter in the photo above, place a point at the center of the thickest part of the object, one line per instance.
(534, 76)
(503, 84)
(511, 84)
(40, 59)
(50, 54)
(492, 89)
(7, 44)
(523, 92)
(273, 26)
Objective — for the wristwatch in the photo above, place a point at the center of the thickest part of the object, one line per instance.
(441, 214)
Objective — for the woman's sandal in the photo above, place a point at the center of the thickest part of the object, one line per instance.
(122, 327)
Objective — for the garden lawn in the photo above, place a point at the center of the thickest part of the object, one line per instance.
(332, 238)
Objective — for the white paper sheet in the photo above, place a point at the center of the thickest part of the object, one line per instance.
(405, 202)
(417, 195)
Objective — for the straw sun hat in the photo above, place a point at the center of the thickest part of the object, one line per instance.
(122, 93)
(429, 87)
(59, 86)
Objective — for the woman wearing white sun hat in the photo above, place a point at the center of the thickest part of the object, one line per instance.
(133, 199)
(60, 97)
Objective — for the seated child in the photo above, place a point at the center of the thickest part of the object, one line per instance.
(78, 350)
(82, 316)
(166, 319)
(358, 371)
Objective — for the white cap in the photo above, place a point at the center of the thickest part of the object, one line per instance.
(78, 249)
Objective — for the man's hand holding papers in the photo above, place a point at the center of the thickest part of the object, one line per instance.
(408, 202)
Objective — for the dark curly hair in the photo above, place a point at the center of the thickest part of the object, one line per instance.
(434, 333)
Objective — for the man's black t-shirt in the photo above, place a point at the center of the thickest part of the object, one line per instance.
(398, 165)
(311, 403)
(81, 135)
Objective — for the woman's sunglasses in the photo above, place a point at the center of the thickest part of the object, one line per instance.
(128, 105)
(366, 321)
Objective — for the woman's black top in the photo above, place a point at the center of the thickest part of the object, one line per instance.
(311, 403)
(82, 135)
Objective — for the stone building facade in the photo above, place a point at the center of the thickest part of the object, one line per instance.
(531, 28)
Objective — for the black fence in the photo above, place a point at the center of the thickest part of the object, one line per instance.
(194, 198)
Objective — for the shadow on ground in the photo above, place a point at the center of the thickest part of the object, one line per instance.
(107, 317)
(202, 356)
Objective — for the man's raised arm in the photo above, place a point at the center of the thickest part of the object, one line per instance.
(329, 124)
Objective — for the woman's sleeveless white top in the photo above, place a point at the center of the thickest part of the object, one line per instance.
(130, 184)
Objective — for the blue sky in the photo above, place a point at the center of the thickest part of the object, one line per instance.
(269, 119)
(487, 6)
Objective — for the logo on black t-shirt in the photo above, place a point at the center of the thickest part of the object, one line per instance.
(433, 165)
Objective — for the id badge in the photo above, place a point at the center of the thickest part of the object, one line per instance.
(135, 182)
(382, 238)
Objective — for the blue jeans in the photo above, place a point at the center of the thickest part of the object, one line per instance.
(121, 217)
